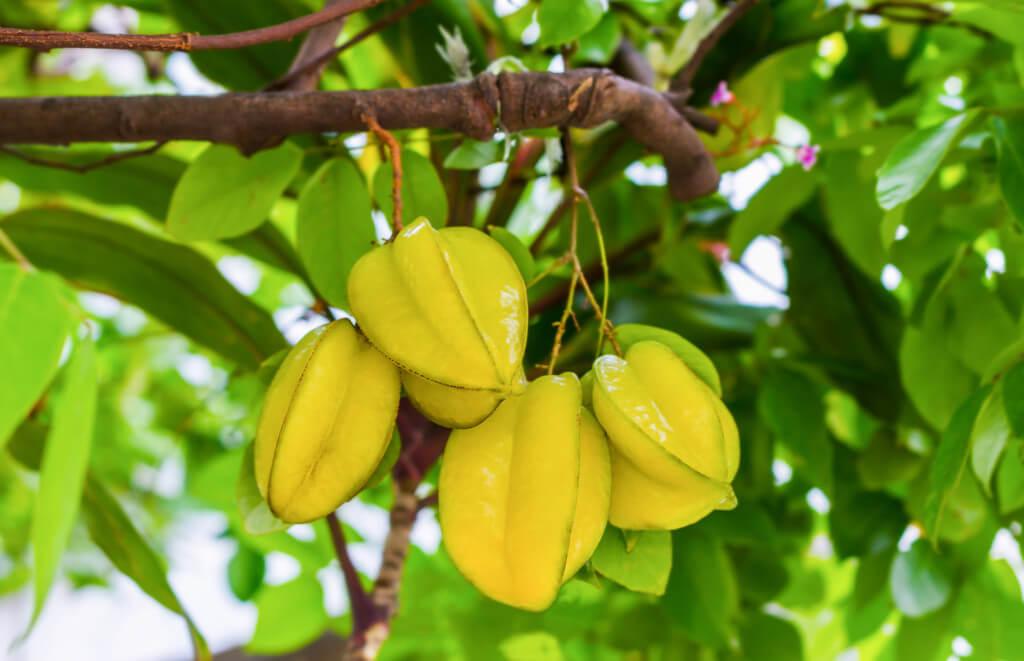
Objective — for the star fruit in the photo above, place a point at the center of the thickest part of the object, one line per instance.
(524, 495)
(674, 445)
(326, 423)
(449, 307)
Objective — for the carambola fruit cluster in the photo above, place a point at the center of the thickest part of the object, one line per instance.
(533, 471)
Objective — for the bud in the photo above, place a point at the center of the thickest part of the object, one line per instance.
(674, 445)
(524, 495)
(326, 423)
(449, 307)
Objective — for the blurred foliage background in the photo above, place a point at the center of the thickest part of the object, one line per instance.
(866, 316)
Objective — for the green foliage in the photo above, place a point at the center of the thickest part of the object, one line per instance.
(865, 409)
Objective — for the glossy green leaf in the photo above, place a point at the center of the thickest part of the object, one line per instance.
(224, 194)
(1009, 134)
(562, 21)
(35, 318)
(765, 637)
(245, 572)
(535, 646)
(422, 191)
(289, 616)
(1013, 396)
(950, 462)
(698, 361)
(702, 593)
(792, 407)
(916, 158)
(334, 226)
(473, 155)
(853, 215)
(115, 534)
(170, 282)
(1010, 479)
(771, 207)
(643, 567)
(63, 468)
(936, 381)
(989, 437)
(921, 581)
(517, 249)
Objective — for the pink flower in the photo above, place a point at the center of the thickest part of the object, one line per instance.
(807, 155)
(722, 95)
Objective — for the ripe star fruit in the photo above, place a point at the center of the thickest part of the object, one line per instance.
(449, 307)
(326, 423)
(524, 495)
(674, 445)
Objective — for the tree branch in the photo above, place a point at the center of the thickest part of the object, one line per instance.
(319, 62)
(84, 167)
(684, 78)
(184, 41)
(422, 444)
(582, 98)
(308, 65)
(359, 600)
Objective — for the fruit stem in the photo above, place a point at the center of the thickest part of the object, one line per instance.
(395, 152)
(11, 249)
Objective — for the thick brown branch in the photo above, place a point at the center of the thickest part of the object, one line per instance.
(685, 77)
(580, 98)
(186, 41)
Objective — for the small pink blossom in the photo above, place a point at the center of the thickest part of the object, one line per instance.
(807, 155)
(722, 95)
(717, 249)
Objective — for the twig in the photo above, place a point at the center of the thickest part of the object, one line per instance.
(684, 79)
(919, 14)
(85, 167)
(184, 41)
(12, 249)
(395, 150)
(321, 60)
(359, 600)
(307, 66)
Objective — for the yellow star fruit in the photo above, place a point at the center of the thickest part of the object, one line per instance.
(674, 446)
(524, 495)
(326, 423)
(449, 307)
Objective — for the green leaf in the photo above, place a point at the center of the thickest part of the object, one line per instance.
(473, 155)
(765, 637)
(517, 249)
(35, 319)
(245, 572)
(257, 519)
(1010, 479)
(600, 44)
(792, 407)
(933, 378)
(916, 158)
(1013, 395)
(1009, 135)
(771, 207)
(644, 567)
(290, 615)
(225, 194)
(702, 593)
(533, 646)
(423, 193)
(950, 460)
(695, 359)
(334, 226)
(853, 216)
(989, 437)
(562, 21)
(171, 282)
(62, 472)
(921, 581)
(115, 535)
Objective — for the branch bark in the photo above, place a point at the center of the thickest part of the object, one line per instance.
(184, 41)
(684, 79)
(582, 98)
(308, 65)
